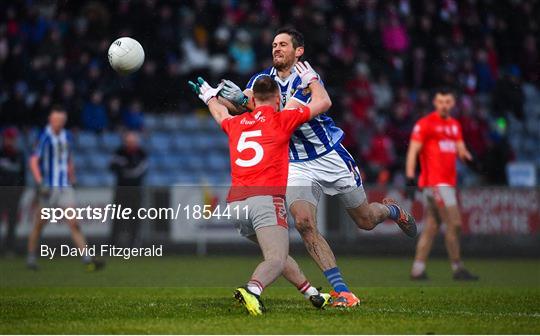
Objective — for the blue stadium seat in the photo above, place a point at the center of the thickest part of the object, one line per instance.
(86, 140)
(89, 179)
(80, 161)
(203, 141)
(192, 122)
(110, 141)
(171, 122)
(31, 138)
(221, 141)
(151, 122)
(157, 180)
(172, 163)
(217, 162)
(153, 163)
(194, 162)
(159, 142)
(108, 179)
(182, 142)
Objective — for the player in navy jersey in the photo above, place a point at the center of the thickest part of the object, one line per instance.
(318, 164)
(51, 165)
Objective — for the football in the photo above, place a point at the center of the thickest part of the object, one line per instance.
(126, 55)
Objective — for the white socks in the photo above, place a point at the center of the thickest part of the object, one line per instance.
(418, 268)
(456, 265)
(255, 287)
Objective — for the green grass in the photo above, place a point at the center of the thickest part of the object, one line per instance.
(189, 295)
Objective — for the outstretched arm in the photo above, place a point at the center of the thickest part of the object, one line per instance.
(208, 95)
(218, 110)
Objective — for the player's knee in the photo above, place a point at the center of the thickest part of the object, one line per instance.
(453, 230)
(277, 263)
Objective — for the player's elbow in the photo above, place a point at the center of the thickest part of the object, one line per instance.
(327, 103)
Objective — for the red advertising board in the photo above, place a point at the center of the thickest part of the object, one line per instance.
(485, 211)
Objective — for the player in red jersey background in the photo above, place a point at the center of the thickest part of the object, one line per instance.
(437, 142)
(259, 147)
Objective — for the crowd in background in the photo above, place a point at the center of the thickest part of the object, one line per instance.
(380, 61)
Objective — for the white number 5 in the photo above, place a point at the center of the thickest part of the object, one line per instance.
(243, 144)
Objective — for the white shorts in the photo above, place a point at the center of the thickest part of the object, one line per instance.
(58, 197)
(262, 211)
(335, 173)
(442, 196)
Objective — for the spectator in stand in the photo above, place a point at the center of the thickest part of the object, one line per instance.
(133, 117)
(94, 114)
(361, 96)
(382, 93)
(242, 53)
(474, 127)
(114, 112)
(530, 60)
(379, 155)
(508, 97)
(12, 182)
(394, 34)
(399, 128)
(486, 78)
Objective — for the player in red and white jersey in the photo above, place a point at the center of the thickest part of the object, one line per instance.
(437, 142)
(259, 146)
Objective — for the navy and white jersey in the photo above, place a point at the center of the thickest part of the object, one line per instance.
(53, 151)
(313, 138)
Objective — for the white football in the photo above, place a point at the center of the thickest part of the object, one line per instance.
(126, 55)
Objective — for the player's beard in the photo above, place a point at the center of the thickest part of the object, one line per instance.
(283, 63)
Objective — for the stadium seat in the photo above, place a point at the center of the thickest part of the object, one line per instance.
(86, 140)
(80, 161)
(182, 142)
(30, 138)
(151, 122)
(159, 142)
(192, 122)
(110, 141)
(194, 162)
(153, 163)
(108, 179)
(172, 163)
(171, 122)
(203, 141)
(98, 161)
(89, 179)
(216, 161)
(157, 180)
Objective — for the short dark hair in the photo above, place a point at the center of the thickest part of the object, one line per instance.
(445, 90)
(264, 88)
(58, 108)
(296, 36)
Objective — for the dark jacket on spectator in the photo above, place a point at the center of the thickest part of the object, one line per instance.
(130, 167)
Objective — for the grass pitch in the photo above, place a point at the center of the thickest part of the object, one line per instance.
(189, 295)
